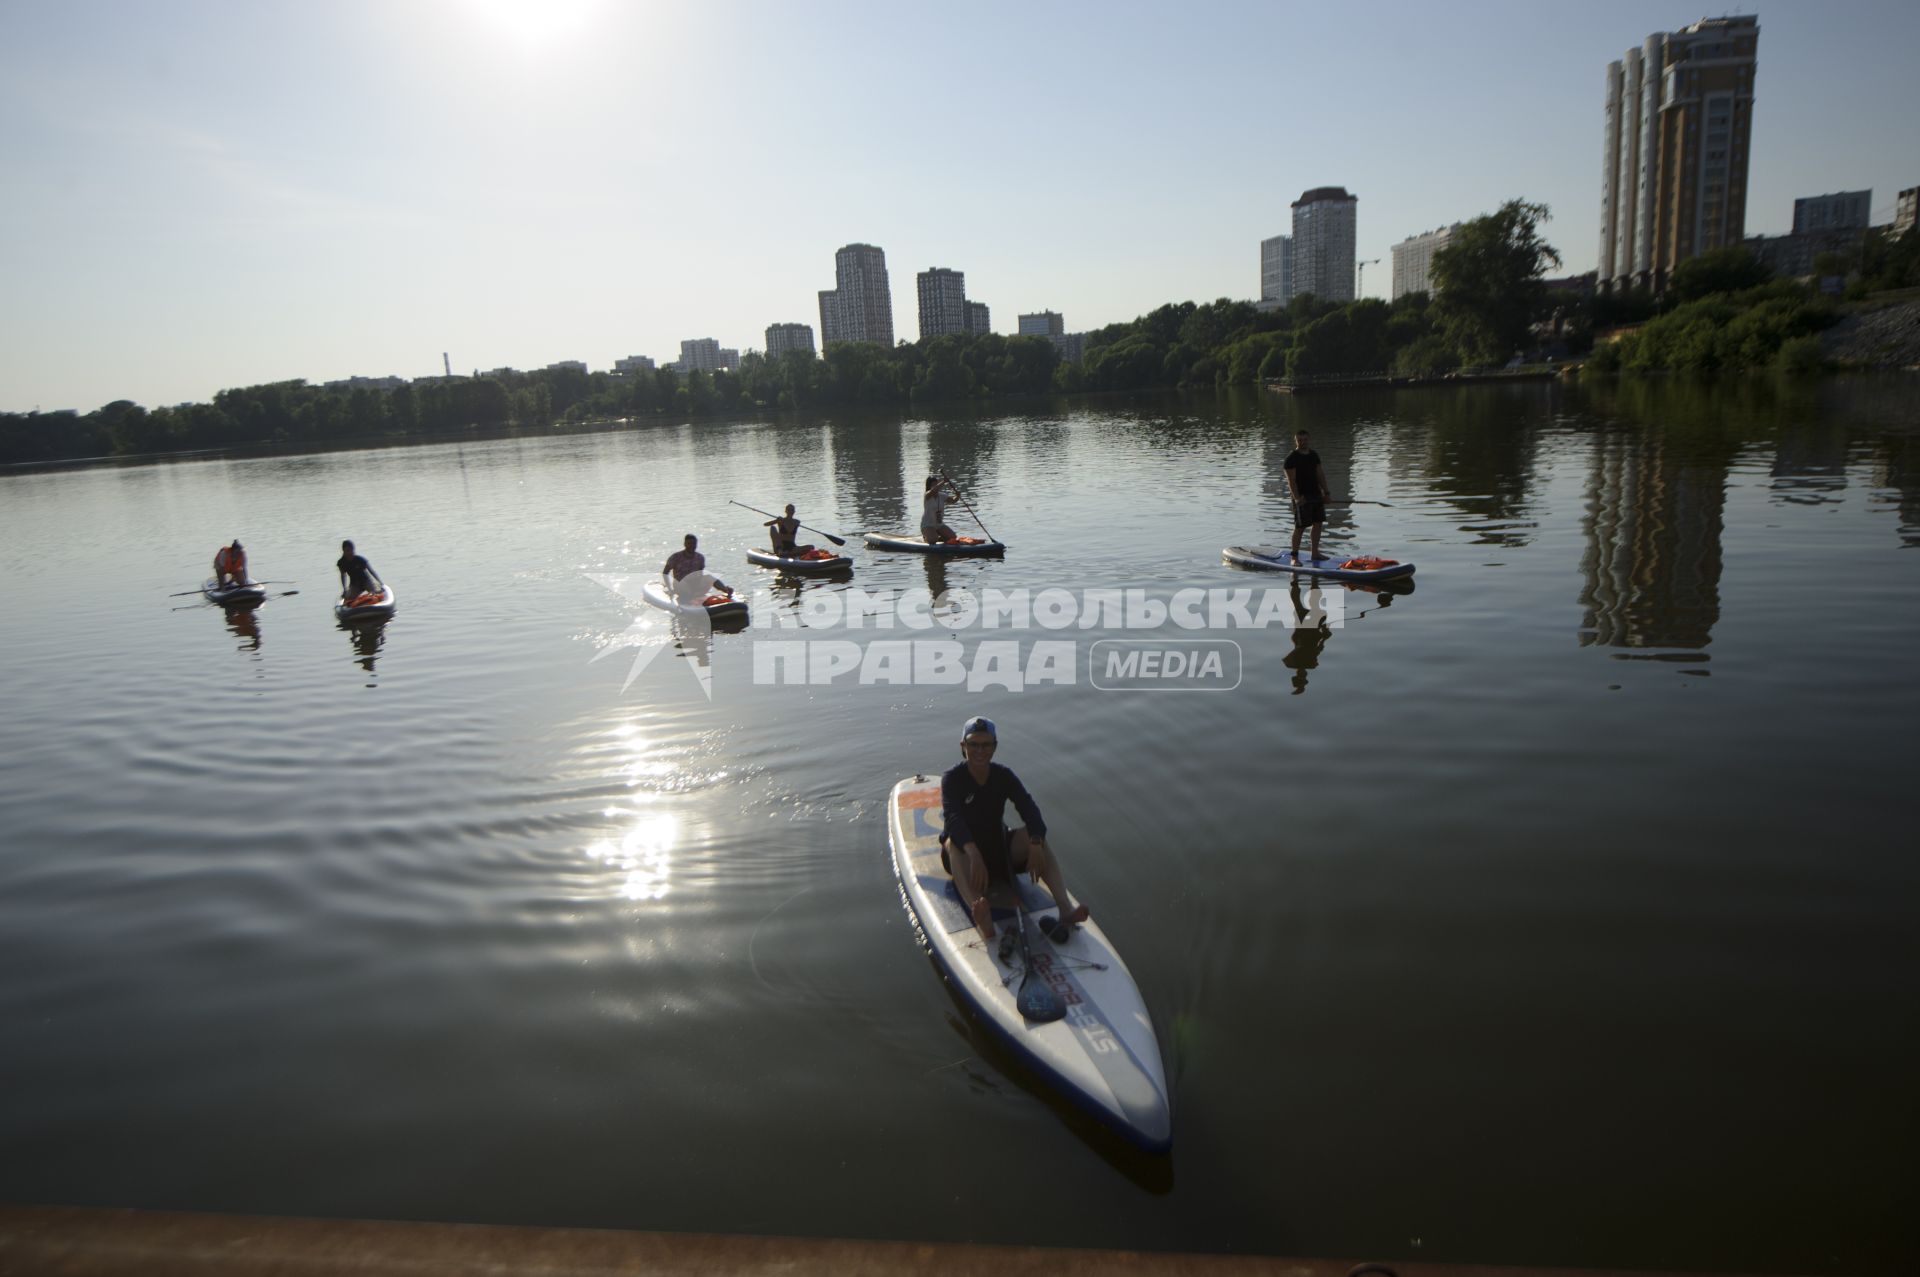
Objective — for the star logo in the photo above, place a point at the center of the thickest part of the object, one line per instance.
(691, 633)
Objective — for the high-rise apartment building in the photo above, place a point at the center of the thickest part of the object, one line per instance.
(1325, 220)
(1906, 211)
(943, 302)
(1844, 210)
(702, 354)
(1673, 178)
(1413, 261)
(1047, 323)
(784, 337)
(1276, 269)
(860, 305)
(979, 322)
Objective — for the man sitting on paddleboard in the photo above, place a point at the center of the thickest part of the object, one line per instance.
(1307, 485)
(685, 573)
(933, 510)
(230, 565)
(977, 849)
(357, 576)
(785, 528)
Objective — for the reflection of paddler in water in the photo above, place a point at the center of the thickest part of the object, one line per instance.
(1310, 634)
(366, 643)
(936, 574)
(244, 622)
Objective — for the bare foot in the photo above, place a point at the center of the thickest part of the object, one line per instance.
(983, 917)
(1076, 916)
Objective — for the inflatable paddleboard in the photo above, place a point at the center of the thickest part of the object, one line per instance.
(656, 593)
(1279, 559)
(768, 559)
(919, 545)
(379, 608)
(1102, 1053)
(241, 595)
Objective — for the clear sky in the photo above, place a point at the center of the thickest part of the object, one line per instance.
(205, 194)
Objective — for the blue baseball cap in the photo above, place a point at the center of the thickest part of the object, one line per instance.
(978, 726)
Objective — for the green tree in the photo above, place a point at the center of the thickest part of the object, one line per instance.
(1488, 279)
(1724, 270)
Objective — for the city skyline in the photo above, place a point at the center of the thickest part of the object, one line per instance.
(194, 207)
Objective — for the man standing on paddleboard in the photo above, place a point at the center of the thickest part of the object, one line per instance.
(1307, 484)
(685, 573)
(978, 850)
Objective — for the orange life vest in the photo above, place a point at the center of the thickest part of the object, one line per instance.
(231, 561)
(819, 554)
(1370, 563)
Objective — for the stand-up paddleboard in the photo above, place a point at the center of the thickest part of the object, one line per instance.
(1103, 1052)
(815, 567)
(241, 594)
(1279, 559)
(920, 545)
(362, 608)
(730, 610)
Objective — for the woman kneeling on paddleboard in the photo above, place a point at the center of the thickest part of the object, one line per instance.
(978, 850)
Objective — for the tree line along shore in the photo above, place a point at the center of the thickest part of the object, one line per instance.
(1722, 312)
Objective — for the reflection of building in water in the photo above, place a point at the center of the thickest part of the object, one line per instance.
(868, 471)
(1652, 566)
(1810, 465)
(1479, 454)
(1896, 475)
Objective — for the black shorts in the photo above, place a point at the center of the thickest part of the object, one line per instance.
(996, 857)
(1307, 513)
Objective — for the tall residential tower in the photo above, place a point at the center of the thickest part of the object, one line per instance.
(860, 306)
(1673, 176)
(943, 302)
(1324, 222)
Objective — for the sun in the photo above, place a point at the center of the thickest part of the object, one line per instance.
(532, 24)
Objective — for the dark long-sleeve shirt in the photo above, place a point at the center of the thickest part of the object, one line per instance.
(976, 813)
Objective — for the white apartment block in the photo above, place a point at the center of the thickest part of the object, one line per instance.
(1048, 323)
(702, 354)
(1413, 261)
(1844, 210)
(860, 305)
(632, 364)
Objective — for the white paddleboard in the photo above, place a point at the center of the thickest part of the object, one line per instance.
(656, 593)
(919, 545)
(768, 559)
(379, 609)
(1279, 559)
(233, 595)
(1103, 1054)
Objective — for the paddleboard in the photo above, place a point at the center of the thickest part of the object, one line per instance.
(378, 610)
(1103, 1054)
(656, 593)
(919, 545)
(233, 595)
(768, 559)
(1280, 559)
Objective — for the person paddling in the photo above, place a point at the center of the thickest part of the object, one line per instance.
(933, 510)
(230, 564)
(357, 576)
(978, 851)
(1307, 485)
(785, 529)
(685, 573)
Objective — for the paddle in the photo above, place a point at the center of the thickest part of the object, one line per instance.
(757, 510)
(969, 509)
(1037, 1002)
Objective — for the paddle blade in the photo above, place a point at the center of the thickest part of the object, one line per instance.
(1038, 1002)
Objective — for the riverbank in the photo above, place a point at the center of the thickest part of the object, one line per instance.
(1883, 335)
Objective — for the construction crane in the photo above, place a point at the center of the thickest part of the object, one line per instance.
(1360, 289)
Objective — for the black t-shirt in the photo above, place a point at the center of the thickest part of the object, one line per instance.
(1306, 467)
(358, 570)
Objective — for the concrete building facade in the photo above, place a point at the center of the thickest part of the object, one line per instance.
(1906, 211)
(1678, 128)
(1413, 261)
(1325, 220)
(860, 305)
(1047, 323)
(1844, 210)
(1276, 269)
(979, 321)
(782, 338)
(702, 354)
(943, 302)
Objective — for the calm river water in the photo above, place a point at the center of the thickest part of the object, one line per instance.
(1560, 910)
